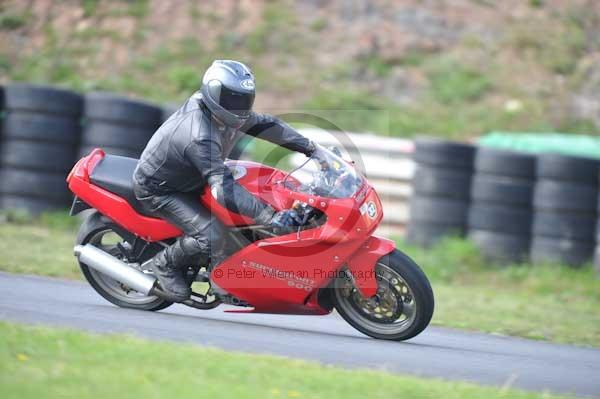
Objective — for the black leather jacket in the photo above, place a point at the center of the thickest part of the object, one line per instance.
(188, 150)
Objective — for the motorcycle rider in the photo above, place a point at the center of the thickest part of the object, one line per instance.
(188, 151)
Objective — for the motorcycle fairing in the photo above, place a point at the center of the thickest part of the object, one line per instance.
(344, 240)
(362, 263)
(281, 274)
(255, 178)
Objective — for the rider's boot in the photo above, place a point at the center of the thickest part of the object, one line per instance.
(217, 256)
(172, 277)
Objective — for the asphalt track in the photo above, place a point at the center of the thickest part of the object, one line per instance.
(438, 352)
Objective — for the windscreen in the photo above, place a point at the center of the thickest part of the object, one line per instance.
(327, 175)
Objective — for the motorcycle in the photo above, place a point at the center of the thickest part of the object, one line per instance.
(329, 259)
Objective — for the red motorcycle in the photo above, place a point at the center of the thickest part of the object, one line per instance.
(330, 260)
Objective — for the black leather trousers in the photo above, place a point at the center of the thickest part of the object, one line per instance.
(202, 241)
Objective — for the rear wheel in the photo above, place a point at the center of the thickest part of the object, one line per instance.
(101, 233)
(402, 307)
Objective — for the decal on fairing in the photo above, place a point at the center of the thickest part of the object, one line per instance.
(300, 282)
(369, 208)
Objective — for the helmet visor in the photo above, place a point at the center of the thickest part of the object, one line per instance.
(236, 102)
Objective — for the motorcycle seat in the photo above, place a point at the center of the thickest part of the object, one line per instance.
(115, 174)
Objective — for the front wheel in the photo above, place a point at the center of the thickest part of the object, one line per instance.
(402, 308)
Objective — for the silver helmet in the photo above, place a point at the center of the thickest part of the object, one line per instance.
(228, 91)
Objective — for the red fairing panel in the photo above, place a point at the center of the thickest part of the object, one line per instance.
(119, 210)
(282, 274)
(256, 178)
(362, 263)
(113, 206)
(279, 278)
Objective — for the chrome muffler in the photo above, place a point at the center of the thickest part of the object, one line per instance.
(107, 264)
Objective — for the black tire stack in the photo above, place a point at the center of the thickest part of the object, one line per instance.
(118, 125)
(441, 188)
(565, 204)
(40, 133)
(501, 212)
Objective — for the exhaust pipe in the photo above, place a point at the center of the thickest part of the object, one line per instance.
(107, 264)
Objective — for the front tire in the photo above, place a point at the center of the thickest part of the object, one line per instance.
(101, 232)
(402, 308)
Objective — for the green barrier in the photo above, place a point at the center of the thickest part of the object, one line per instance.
(568, 144)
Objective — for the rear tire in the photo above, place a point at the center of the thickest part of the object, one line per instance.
(403, 281)
(94, 225)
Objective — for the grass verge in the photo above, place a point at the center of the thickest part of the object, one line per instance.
(546, 302)
(43, 247)
(53, 363)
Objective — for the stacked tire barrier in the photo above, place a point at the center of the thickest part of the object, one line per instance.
(500, 214)
(441, 190)
(119, 125)
(514, 204)
(565, 209)
(40, 133)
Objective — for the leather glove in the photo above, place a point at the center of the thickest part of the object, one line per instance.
(286, 221)
(310, 149)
